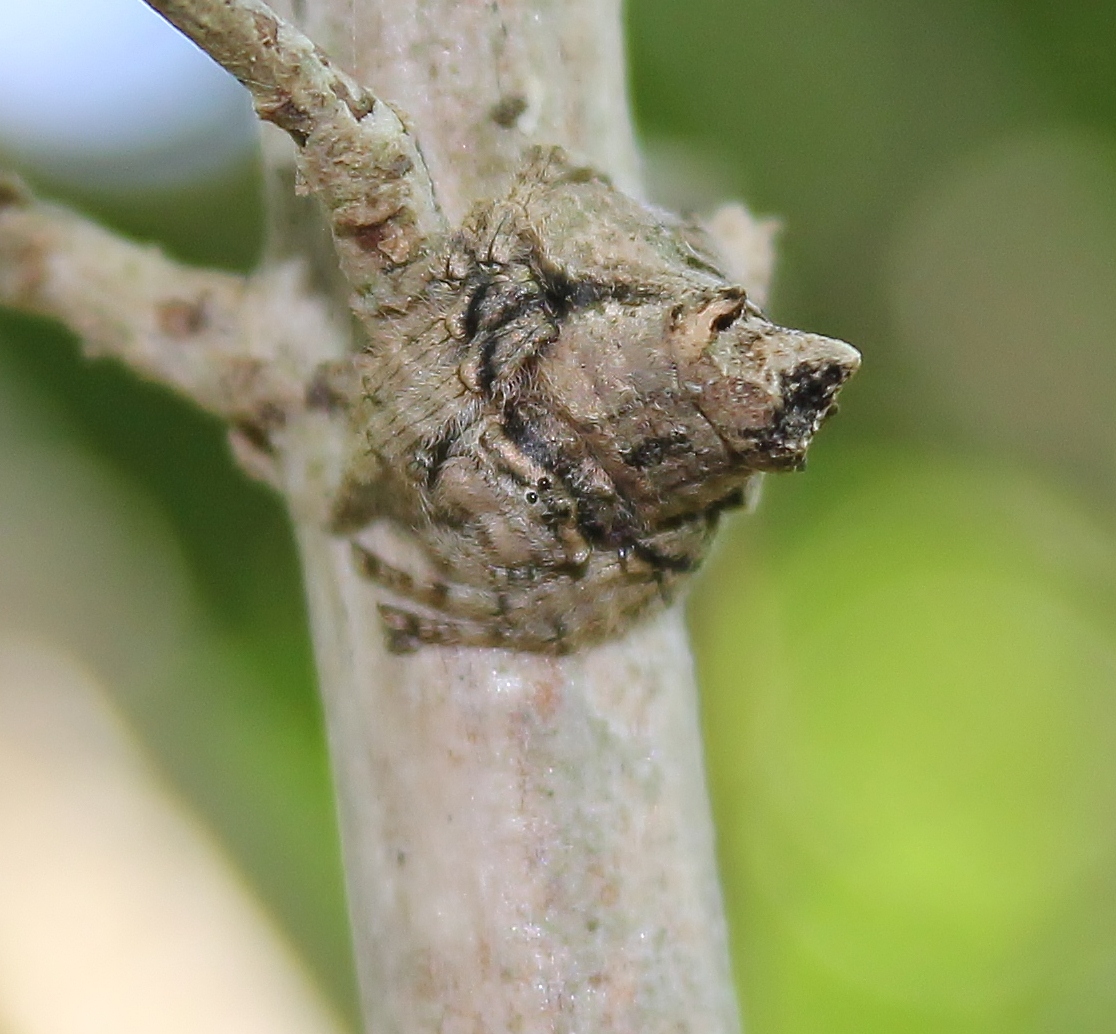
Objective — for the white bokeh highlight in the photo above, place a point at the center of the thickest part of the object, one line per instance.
(105, 92)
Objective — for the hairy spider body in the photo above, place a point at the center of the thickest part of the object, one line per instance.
(556, 400)
(561, 409)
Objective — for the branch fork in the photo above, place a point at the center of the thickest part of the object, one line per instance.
(527, 838)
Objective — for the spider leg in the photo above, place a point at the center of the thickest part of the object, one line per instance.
(448, 598)
(407, 631)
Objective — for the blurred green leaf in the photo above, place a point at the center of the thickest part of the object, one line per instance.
(907, 673)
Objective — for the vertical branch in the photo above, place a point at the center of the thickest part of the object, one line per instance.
(481, 81)
(527, 839)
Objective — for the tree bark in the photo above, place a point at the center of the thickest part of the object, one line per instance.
(527, 839)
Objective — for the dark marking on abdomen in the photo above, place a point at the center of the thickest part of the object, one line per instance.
(652, 451)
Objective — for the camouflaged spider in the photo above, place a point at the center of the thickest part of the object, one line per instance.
(561, 410)
(557, 399)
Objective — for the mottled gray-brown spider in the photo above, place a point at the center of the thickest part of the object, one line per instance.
(557, 399)
(560, 407)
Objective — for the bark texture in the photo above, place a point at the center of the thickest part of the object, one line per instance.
(527, 839)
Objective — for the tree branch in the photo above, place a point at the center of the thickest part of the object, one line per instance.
(354, 153)
(527, 838)
(480, 82)
(241, 347)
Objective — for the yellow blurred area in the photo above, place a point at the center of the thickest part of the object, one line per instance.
(117, 911)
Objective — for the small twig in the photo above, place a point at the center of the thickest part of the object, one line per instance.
(237, 346)
(354, 152)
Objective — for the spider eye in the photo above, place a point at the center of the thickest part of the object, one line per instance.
(532, 497)
(544, 484)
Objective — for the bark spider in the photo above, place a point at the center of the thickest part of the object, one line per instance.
(560, 408)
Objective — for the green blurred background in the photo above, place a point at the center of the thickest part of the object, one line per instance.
(907, 656)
